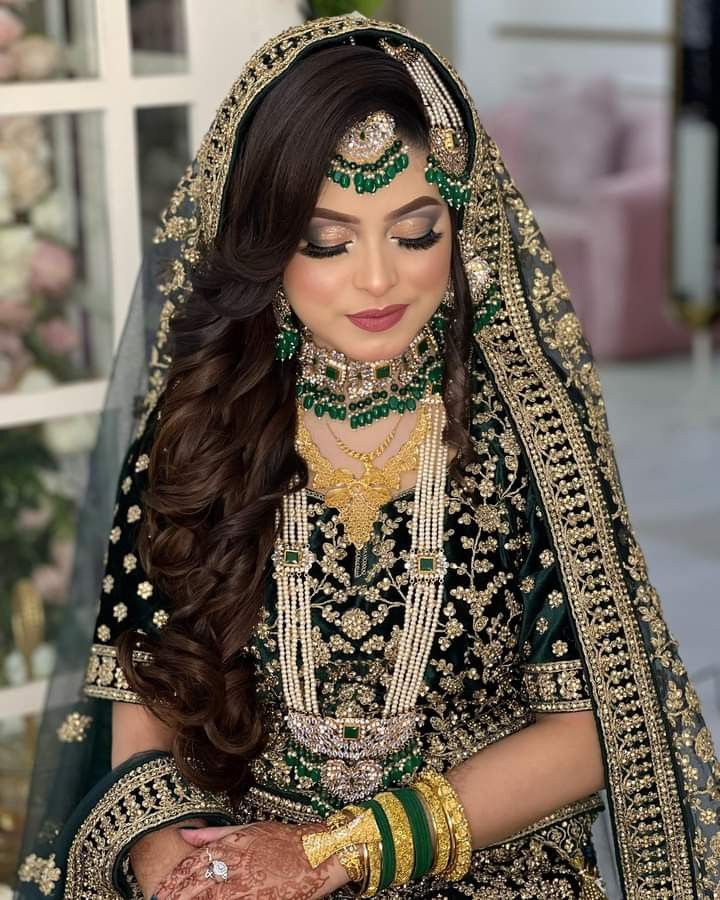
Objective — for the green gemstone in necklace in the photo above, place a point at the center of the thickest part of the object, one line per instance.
(331, 384)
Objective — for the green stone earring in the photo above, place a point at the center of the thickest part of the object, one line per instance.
(369, 155)
(288, 338)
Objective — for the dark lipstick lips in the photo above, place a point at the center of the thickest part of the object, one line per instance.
(376, 313)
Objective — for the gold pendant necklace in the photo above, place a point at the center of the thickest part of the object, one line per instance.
(358, 499)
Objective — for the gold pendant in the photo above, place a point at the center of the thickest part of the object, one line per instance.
(358, 499)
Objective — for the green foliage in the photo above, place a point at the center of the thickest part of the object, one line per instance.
(340, 7)
(24, 460)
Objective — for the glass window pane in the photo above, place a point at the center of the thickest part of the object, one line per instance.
(44, 39)
(163, 154)
(157, 35)
(55, 311)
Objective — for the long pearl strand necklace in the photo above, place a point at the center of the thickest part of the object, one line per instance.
(364, 739)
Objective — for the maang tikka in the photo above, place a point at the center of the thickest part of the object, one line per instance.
(369, 155)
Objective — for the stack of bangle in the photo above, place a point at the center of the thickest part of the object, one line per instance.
(397, 836)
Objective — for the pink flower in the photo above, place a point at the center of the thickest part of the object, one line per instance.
(16, 315)
(52, 268)
(10, 344)
(34, 519)
(11, 28)
(58, 336)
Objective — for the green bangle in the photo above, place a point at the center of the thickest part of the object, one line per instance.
(388, 846)
(420, 828)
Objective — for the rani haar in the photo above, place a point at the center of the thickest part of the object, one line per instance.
(350, 758)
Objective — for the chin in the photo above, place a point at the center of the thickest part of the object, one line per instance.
(368, 347)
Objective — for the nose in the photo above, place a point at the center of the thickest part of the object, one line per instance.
(376, 273)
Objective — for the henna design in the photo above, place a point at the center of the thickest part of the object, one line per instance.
(265, 861)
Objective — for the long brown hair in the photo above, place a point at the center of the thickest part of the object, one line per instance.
(223, 452)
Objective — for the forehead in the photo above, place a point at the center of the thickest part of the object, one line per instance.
(407, 186)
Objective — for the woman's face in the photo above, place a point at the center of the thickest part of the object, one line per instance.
(372, 252)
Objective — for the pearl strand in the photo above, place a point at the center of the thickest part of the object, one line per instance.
(424, 598)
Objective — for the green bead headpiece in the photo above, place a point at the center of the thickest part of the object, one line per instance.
(447, 162)
(369, 155)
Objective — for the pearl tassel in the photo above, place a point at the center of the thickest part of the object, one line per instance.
(425, 593)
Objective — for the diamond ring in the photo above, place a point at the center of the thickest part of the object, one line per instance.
(217, 868)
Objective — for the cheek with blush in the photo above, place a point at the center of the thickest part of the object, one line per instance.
(315, 287)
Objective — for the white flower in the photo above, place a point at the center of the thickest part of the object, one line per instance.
(50, 218)
(16, 249)
(75, 434)
(35, 379)
(15, 668)
(43, 660)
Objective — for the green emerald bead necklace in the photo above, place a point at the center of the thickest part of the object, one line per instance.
(331, 384)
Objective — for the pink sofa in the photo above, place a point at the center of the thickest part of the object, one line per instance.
(597, 178)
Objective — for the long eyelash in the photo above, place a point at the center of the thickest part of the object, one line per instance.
(421, 243)
(317, 252)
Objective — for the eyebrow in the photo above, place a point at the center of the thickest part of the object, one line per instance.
(418, 202)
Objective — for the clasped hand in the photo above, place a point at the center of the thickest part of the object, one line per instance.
(263, 859)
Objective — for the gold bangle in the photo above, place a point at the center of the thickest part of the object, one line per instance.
(321, 845)
(369, 876)
(436, 815)
(350, 858)
(402, 837)
(459, 827)
(374, 851)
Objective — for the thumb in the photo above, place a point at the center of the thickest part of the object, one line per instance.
(198, 837)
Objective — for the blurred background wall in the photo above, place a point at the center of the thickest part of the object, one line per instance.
(606, 113)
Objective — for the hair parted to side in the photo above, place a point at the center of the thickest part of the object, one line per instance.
(223, 451)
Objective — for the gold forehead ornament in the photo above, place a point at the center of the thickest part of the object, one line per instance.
(370, 154)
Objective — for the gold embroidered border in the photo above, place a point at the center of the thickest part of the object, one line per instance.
(556, 686)
(648, 815)
(105, 679)
(150, 796)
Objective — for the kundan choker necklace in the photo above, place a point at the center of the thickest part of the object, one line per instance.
(350, 758)
(332, 384)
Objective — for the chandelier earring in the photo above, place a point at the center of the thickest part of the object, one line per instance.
(444, 311)
(288, 338)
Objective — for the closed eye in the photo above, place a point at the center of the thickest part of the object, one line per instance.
(424, 242)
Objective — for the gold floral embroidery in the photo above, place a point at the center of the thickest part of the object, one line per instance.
(160, 618)
(556, 686)
(133, 513)
(120, 611)
(74, 727)
(42, 872)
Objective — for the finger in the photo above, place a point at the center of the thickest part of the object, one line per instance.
(198, 837)
(191, 882)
